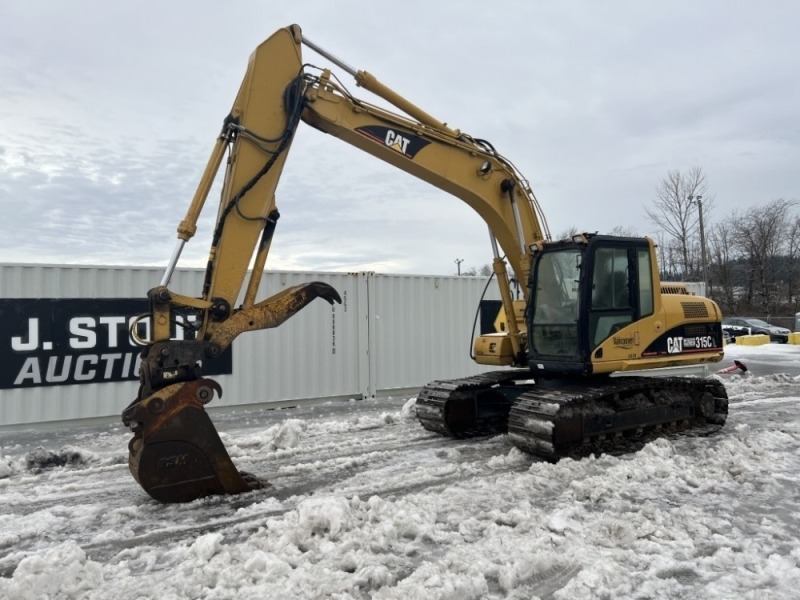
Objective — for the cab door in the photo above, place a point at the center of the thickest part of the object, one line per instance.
(621, 290)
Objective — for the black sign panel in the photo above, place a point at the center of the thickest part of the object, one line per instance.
(46, 342)
(490, 311)
(687, 339)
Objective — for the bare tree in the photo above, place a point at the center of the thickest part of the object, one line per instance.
(618, 230)
(568, 233)
(668, 255)
(676, 215)
(721, 248)
(793, 257)
(482, 271)
(762, 233)
(623, 231)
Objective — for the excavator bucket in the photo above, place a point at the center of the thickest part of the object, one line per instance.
(176, 454)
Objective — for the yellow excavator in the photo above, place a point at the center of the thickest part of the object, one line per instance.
(591, 305)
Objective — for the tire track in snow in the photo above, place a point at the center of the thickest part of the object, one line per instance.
(293, 478)
(237, 527)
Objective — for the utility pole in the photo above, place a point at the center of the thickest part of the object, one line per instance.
(458, 262)
(699, 201)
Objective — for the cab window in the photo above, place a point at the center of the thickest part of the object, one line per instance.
(612, 307)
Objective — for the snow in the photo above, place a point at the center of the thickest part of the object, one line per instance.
(364, 503)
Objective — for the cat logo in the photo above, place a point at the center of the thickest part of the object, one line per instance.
(395, 141)
(674, 345)
(402, 142)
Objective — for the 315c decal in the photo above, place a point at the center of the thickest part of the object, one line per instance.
(687, 339)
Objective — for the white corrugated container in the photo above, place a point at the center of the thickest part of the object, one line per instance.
(423, 327)
(391, 335)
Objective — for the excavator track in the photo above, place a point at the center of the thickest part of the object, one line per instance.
(469, 406)
(620, 415)
(568, 418)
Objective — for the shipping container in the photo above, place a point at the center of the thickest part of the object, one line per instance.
(66, 353)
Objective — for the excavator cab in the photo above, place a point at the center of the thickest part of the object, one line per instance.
(595, 307)
(593, 300)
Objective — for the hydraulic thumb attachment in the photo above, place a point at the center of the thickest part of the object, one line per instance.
(176, 454)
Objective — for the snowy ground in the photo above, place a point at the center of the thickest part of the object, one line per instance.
(366, 504)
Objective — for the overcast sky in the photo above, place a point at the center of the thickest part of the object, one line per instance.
(110, 110)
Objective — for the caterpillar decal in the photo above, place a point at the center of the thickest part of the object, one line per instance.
(400, 141)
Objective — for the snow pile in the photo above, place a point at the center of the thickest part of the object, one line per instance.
(287, 435)
(41, 458)
(59, 572)
(515, 457)
(409, 410)
(364, 503)
(6, 467)
(206, 546)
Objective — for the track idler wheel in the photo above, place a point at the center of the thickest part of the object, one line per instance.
(176, 454)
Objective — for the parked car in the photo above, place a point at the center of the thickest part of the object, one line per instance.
(736, 326)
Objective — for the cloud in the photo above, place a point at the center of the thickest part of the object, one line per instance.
(112, 110)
